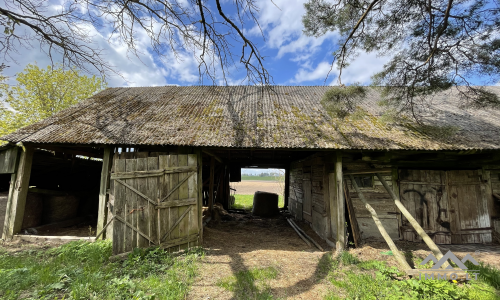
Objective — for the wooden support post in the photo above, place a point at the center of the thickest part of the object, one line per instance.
(102, 213)
(332, 194)
(17, 194)
(420, 231)
(286, 193)
(211, 185)
(399, 257)
(340, 203)
(200, 196)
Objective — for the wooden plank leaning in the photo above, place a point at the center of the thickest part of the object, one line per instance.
(399, 257)
(420, 231)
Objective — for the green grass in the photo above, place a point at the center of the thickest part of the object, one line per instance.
(355, 279)
(246, 201)
(250, 284)
(82, 270)
(264, 178)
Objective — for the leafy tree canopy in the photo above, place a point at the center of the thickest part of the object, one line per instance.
(433, 45)
(39, 93)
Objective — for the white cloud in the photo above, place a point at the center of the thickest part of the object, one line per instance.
(307, 73)
(359, 71)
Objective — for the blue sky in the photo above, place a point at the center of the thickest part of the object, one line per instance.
(291, 57)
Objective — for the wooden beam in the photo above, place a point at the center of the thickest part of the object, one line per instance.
(421, 232)
(17, 194)
(102, 213)
(212, 155)
(367, 171)
(8, 160)
(211, 185)
(200, 195)
(399, 257)
(340, 203)
(332, 194)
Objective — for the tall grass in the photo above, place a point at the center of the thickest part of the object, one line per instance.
(81, 270)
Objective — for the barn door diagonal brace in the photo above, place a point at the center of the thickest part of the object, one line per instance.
(176, 223)
(178, 186)
(134, 228)
(136, 191)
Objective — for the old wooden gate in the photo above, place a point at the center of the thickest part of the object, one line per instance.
(451, 206)
(155, 202)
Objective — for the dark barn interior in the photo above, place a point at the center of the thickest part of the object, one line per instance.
(63, 193)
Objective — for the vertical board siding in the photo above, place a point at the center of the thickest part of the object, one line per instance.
(160, 222)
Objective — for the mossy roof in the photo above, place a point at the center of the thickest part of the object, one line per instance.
(251, 116)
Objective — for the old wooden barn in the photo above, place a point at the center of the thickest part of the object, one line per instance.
(145, 161)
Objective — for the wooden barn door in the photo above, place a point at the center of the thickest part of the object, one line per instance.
(424, 194)
(469, 207)
(155, 202)
(307, 204)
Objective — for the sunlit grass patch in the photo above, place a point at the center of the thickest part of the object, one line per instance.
(250, 284)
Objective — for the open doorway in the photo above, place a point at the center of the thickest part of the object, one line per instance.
(257, 179)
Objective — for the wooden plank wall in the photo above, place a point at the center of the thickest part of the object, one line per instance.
(296, 190)
(314, 168)
(380, 200)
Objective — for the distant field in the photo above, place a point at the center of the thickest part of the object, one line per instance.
(246, 201)
(263, 178)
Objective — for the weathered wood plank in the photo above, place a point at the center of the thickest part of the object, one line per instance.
(177, 203)
(8, 160)
(137, 174)
(102, 212)
(179, 241)
(130, 206)
(17, 194)
(153, 192)
(199, 182)
(183, 194)
(192, 194)
(142, 215)
(174, 195)
(340, 203)
(119, 210)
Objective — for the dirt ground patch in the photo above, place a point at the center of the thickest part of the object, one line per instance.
(251, 243)
(250, 187)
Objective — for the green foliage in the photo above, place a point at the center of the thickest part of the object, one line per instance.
(342, 101)
(81, 270)
(429, 46)
(250, 284)
(40, 93)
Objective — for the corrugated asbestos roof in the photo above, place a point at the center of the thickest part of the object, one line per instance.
(250, 116)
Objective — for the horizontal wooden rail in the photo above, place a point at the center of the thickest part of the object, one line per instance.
(153, 173)
(175, 203)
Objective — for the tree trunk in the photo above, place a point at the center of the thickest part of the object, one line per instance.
(399, 257)
(430, 243)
